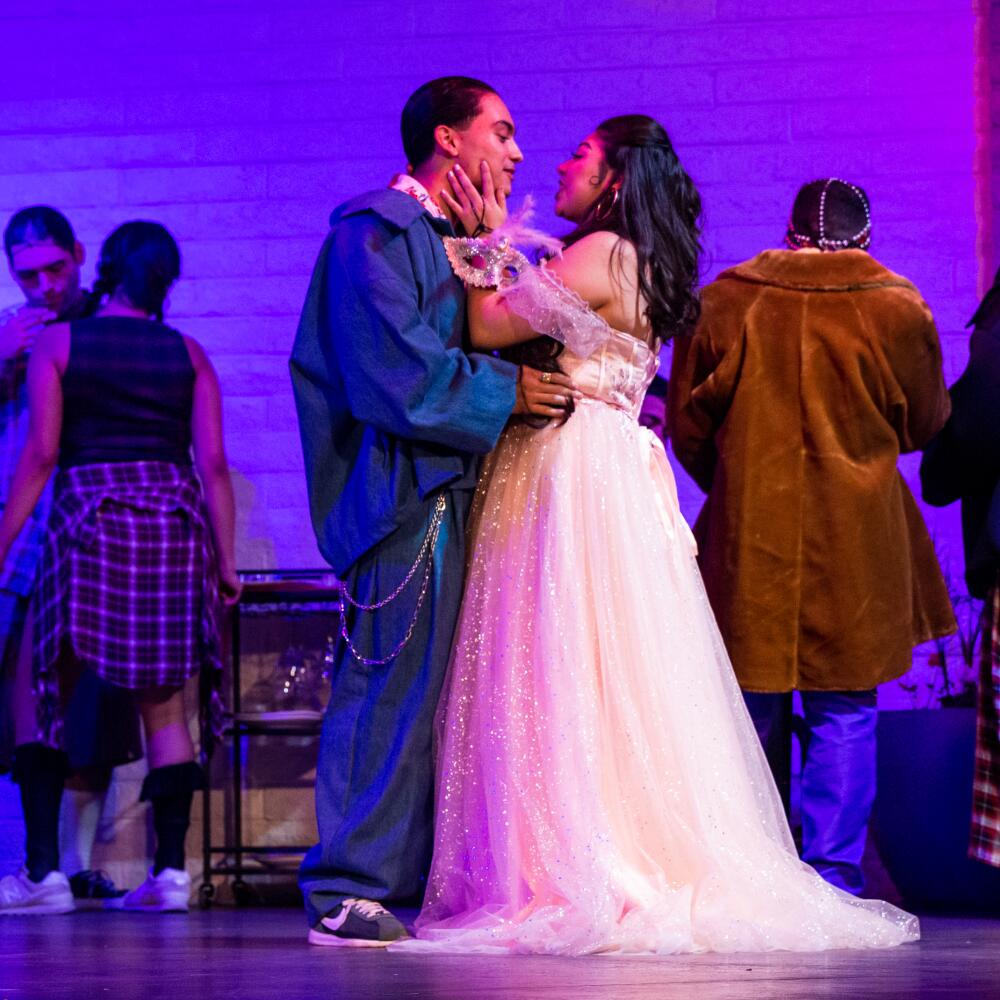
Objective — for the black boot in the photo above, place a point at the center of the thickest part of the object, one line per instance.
(40, 772)
(170, 790)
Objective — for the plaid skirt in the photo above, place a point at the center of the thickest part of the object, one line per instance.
(127, 581)
(984, 842)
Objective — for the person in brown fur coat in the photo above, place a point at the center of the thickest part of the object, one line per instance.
(810, 371)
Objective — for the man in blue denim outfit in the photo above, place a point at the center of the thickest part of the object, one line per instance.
(394, 415)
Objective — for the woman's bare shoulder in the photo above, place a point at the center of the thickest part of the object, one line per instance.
(606, 253)
(52, 342)
(195, 352)
(599, 245)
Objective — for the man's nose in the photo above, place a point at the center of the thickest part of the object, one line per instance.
(516, 155)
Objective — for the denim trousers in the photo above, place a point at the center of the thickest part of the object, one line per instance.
(375, 775)
(838, 776)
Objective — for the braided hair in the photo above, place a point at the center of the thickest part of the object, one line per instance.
(139, 261)
(830, 214)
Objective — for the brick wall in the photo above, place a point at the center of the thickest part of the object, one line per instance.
(988, 134)
(241, 123)
(240, 126)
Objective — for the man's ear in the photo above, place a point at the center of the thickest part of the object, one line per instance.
(447, 140)
(79, 254)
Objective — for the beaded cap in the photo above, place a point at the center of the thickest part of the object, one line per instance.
(862, 239)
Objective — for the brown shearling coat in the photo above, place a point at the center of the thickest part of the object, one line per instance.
(807, 376)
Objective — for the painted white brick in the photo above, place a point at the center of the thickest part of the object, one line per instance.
(640, 87)
(246, 123)
(281, 490)
(67, 113)
(269, 451)
(228, 296)
(230, 258)
(158, 186)
(347, 22)
(70, 189)
(223, 336)
(253, 375)
(244, 415)
(290, 256)
(764, 10)
(37, 154)
(240, 124)
(195, 106)
(280, 407)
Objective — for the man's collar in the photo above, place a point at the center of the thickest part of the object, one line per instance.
(398, 209)
(408, 184)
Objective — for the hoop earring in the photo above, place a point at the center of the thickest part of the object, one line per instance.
(601, 211)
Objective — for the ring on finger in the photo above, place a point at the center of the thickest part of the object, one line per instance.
(545, 377)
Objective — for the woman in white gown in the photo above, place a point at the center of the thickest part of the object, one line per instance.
(600, 784)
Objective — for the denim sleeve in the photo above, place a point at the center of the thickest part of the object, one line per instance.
(398, 374)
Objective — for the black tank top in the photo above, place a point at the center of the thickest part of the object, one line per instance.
(127, 393)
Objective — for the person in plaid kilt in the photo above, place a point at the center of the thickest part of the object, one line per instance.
(963, 463)
(44, 257)
(138, 553)
(984, 837)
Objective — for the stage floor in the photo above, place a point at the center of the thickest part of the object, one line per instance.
(258, 954)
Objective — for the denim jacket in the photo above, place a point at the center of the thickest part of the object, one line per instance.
(391, 408)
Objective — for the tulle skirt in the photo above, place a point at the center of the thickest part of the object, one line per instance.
(600, 784)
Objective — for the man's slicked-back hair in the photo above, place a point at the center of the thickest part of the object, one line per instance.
(35, 223)
(448, 100)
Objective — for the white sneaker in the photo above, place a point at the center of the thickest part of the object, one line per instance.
(19, 895)
(167, 892)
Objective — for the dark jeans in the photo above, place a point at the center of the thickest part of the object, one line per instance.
(838, 776)
(375, 776)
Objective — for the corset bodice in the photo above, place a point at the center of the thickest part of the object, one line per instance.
(617, 373)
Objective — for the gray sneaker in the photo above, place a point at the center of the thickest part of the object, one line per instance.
(19, 895)
(167, 892)
(357, 923)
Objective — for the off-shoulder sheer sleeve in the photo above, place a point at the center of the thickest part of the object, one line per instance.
(533, 292)
(539, 296)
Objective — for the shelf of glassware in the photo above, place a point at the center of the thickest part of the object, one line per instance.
(284, 592)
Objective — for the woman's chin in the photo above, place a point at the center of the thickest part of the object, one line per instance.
(562, 210)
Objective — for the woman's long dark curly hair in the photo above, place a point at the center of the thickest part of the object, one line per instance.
(657, 209)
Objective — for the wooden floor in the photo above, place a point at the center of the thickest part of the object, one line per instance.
(257, 954)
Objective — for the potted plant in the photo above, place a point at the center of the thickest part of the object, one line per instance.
(925, 763)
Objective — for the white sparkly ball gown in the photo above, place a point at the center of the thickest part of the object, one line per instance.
(600, 784)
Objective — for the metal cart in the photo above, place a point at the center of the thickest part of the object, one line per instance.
(274, 592)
